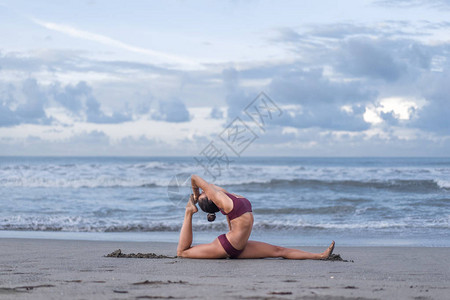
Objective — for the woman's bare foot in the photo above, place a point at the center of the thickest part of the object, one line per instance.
(328, 252)
(190, 206)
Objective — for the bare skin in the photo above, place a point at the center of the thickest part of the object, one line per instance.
(238, 234)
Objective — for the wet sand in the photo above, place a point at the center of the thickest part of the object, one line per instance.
(67, 269)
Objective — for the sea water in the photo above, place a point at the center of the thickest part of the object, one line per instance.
(296, 201)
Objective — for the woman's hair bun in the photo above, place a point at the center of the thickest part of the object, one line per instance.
(211, 217)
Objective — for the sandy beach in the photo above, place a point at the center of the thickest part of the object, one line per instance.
(57, 269)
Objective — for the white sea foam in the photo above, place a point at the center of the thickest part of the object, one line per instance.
(307, 195)
(82, 224)
(442, 183)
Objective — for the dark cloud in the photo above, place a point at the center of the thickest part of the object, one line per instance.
(389, 118)
(71, 96)
(321, 100)
(375, 52)
(368, 58)
(385, 62)
(418, 55)
(435, 116)
(27, 104)
(171, 111)
(311, 87)
(80, 101)
(36, 99)
(30, 108)
(7, 117)
(339, 64)
(237, 98)
(327, 117)
(95, 115)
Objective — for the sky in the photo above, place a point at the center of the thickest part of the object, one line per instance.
(157, 78)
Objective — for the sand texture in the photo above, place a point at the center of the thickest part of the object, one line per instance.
(67, 269)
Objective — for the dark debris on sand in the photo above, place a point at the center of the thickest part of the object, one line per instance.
(337, 257)
(4, 290)
(148, 282)
(118, 253)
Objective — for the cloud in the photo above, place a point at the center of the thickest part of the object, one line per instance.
(236, 96)
(321, 100)
(411, 3)
(84, 143)
(91, 137)
(79, 101)
(28, 104)
(335, 74)
(171, 111)
(7, 117)
(317, 100)
(91, 142)
(216, 113)
(82, 34)
(29, 108)
(95, 115)
(343, 30)
(55, 60)
(70, 96)
(321, 38)
(373, 62)
(434, 116)
(32, 110)
(368, 58)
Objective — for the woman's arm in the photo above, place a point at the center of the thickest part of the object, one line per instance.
(213, 192)
(195, 188)
(199, 183)
(219, 188)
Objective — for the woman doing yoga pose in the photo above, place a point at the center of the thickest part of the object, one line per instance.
(234, 243)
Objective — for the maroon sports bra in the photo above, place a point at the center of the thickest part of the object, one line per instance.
(240, 207)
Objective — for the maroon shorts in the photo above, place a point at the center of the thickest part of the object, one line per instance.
(232, 252)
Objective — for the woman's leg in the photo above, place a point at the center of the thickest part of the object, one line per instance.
(211, 250)
(263, 250)
(185, 240)
(184, 249)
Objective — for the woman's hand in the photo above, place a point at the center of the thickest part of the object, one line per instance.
(193, 199)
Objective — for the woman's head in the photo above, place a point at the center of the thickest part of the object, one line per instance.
(208, 206)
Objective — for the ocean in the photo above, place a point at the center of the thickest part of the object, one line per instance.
(296, 200)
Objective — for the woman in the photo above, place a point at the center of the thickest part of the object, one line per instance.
(235, 243)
